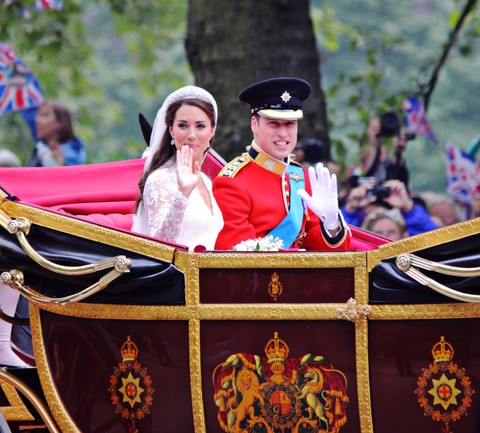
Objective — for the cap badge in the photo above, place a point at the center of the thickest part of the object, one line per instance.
(285, 96)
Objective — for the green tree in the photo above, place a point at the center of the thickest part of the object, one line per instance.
(375, 53)
(110, 59)
(231, 44)
(107, 60)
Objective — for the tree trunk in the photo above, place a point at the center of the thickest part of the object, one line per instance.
(231, 44)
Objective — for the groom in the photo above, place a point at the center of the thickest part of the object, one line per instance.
(262, 192)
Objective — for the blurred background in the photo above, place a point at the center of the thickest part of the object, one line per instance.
(110, 60)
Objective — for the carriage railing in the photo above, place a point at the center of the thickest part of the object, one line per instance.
(20, 227)
(407, 263)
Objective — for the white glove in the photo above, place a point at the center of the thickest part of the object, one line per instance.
(324, 199)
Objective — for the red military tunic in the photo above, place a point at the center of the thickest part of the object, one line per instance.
(252, 193)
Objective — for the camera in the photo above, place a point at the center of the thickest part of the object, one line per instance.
(390, 126)
(379, 191)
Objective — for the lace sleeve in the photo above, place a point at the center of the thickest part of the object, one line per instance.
(164, 204)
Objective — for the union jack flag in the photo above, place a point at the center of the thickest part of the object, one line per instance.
(43, 4)
(416, 120)
(19, 89)
(49, 4)
(463, 174)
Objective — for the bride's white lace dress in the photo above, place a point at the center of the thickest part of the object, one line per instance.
(166, 214)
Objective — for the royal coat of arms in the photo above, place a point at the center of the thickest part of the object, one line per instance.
(278, 394)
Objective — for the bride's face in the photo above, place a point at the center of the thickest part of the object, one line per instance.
(192, 127)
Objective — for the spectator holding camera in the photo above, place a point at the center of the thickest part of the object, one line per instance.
(358, 202)
(377, 162)
(416, 217)
(369, 196)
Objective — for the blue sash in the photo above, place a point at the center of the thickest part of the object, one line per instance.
(289, 228)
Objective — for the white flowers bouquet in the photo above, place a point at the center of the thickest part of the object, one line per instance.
(268, 243)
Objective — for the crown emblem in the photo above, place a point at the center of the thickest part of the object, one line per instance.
(276, 349)
(275, 287)
(442, 351)
(129, 350)
(131, 391)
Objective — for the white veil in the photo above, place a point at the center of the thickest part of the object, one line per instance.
(159, 127)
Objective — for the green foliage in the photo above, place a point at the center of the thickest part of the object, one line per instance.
(110, 59)
(377, 53)
(107, 60)
(49, 42)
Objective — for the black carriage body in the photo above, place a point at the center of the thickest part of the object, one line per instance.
(290, 342)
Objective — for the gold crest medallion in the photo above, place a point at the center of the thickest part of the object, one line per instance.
(131, 387)
(444, 390)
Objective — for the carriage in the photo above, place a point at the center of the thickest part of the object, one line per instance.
(132, 334)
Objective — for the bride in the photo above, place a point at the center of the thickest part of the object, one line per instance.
(176, 203)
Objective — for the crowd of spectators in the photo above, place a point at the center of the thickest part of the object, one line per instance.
(377, 195)
(373, 187)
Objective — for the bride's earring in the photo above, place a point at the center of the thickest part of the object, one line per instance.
(172, 142)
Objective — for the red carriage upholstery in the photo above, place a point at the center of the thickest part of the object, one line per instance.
(102, 193)
(105, 193)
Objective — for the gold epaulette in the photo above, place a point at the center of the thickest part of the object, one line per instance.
(295, 163)
(234, 166)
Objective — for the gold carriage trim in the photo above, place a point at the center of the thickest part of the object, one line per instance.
(18, 411)
(21, 227)
(352, 311)
(15, 280)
